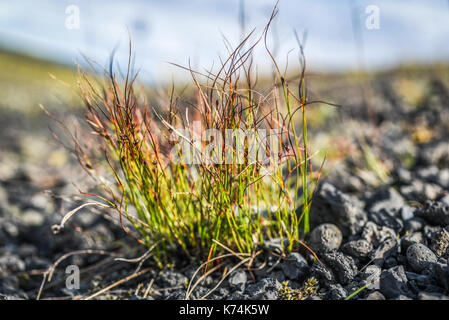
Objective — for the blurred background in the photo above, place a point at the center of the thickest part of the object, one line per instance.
(176, 31)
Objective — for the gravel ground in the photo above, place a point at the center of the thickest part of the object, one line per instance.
(391, 238)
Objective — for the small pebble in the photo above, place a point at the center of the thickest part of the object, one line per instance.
(325, 237)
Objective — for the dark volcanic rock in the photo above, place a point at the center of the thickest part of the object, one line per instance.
(434, 175)
(407, 213)
(295, 266)
(440, 243)
(445, 199)
(265, 289)
(435, 212)
(409, 239)
(343, 266)
(393, 282)
(323, 274)
(11, 263)
(371, 276)
(387, 199)
(437, 154)
(177, 295)
(275, 245)
(432, 296)
(337, 292)
(414, 224)
(9, 286)
(429, 174)
(359, 249)
(388, 248)
(237, 280)
(325, 237)
(442, 275)
(375, 234)
(171, 278)
(333, 206)
(375, 295)
(420, 190)
(387, 218)
(420, 257)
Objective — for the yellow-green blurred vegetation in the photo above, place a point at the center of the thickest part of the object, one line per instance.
(26, 81)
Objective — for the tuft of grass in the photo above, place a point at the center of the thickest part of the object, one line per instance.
(134, 152)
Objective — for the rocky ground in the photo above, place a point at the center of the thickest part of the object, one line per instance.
(385, 231)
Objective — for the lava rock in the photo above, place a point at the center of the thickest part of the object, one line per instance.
(407, 213)
(276, 245)
(386, 199)
(404, 175)
(435, 212)
(11, 263)
(420, 257)
(445, 199)
(393, 282)
(177, 295)
(238, 280)
(420, 190)
(429, 174)
(409, 239)
(295, 266)
(199, 292)
(418, 280)
(388, 248)
(435, 175)
(266, 289)
(171, 279)
(414, 224)
(9, 286)
(443, 178)
(278, 275)
(325, 237)
(330, 205)
(323, 274)
(375, 234)
(432, 296)
(437, 154)
(10, 297)
(359, 249)
(219, 294)
(442, 275)
(337, 292)
(440, 243)
(375, 295)
(343, 266)
(99, 235)
(390, 262)
(387, 218)
(371, 276)
(32, 218)
(430, 231)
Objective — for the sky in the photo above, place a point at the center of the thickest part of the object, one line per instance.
(338, 38)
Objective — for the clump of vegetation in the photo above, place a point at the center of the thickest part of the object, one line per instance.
(173, 174)
(308, 289)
